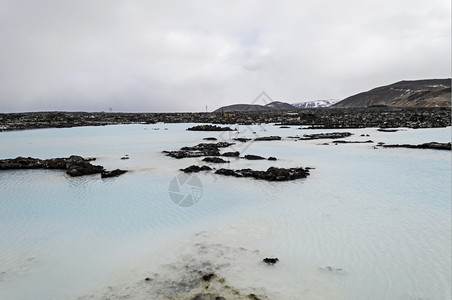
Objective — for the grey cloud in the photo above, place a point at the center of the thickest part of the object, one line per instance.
(184, 55)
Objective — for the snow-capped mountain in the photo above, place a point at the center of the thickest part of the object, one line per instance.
(315, 103)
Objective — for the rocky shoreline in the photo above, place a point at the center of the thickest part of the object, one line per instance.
(324, 118)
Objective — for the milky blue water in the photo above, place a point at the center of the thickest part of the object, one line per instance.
(367, 224)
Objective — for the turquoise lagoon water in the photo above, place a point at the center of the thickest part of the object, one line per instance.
(367, 224)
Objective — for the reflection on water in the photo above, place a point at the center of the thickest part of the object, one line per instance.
(366, 224)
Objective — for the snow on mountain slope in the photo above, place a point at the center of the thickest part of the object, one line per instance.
(315, 103)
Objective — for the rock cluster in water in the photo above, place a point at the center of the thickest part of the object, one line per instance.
(203, 149)
(272, 173)
(74, 165)
(196, 169)
(211, 151)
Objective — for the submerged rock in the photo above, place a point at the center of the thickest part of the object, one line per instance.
(207, 297)
(208, 277)
(114, 173)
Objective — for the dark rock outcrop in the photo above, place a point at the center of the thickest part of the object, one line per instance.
(209, 128)
(74, 165)
(272, 158)
(270, 260)
(203, 149)
(209, 139)
(231, 154)
(78, 166)
(331, 135)
(431, 145)
(353, 142)
(208, 277)
(272, 173)
(387, 130)
(196, 169)
(253, 157)
(268, 138)
(215, 160)
(114, 173)
(243, 140)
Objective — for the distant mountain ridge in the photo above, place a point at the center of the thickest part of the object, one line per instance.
(275, 105)
(407, 93)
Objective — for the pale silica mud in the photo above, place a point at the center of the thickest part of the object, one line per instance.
(366, 224)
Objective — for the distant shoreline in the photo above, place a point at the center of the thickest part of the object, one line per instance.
(322, 118)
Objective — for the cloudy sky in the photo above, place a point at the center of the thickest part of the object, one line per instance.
(181, 55)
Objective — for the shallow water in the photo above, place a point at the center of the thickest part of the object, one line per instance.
(366, 224)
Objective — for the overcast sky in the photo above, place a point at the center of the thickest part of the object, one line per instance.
(181, 55)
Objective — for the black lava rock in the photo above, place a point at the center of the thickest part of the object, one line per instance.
(209, 128)
(253, 157)
(196, 169)
(114, 173)
(208, 277)
(215, 160)
(270, 261)
(331, 135)
(231, 154)
(268, 138)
